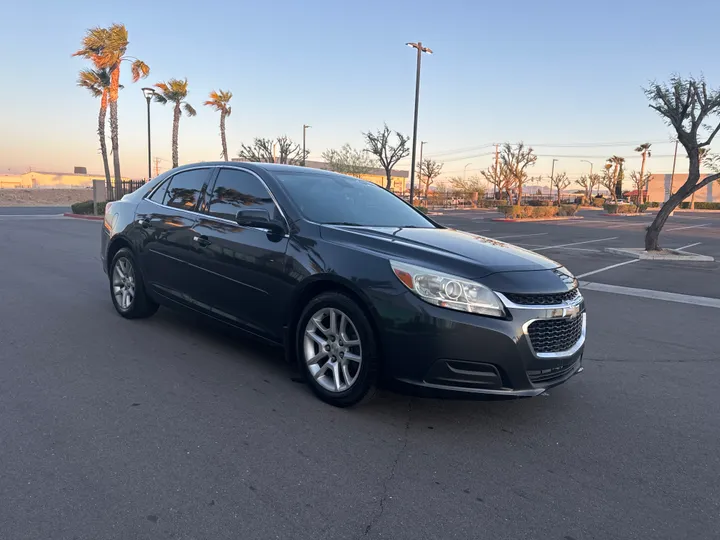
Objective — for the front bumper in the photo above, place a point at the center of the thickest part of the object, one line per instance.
(443, 351)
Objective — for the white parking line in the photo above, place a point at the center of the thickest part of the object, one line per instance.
(32, 216)
(576, 243)
(607, 268)
(519, 235)
(688, 246)
(655, 295)
(688, 227)
(641, 223)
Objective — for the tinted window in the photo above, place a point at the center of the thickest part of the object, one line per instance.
(185, 188)
(234, 190)
(334, 198)
(159, 194)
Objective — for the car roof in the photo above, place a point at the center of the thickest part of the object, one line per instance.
(270, 167)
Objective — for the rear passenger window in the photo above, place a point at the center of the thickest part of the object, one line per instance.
(159, 194)
(185, 188)
(234, 190)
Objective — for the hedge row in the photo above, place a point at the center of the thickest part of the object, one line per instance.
(621, 208)
(86, 207)
(535, 212)
(702, 205)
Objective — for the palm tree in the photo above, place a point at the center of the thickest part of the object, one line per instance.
(97, 82)
(644, 150)
(219, 101)
(106, 48)
(175, 90)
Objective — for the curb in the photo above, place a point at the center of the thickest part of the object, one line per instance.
(523, 220)
(83, 216)
(673, 255)
(624, 215)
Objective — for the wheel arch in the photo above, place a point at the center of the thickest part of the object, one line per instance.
(115, 245)
(318, 285)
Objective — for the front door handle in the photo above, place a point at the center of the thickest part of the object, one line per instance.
(202, 240)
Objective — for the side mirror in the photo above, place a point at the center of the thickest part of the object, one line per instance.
(258, 218)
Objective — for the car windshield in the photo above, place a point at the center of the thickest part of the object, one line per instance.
(331, 198)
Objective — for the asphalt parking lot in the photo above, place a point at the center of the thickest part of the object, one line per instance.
(171, 428)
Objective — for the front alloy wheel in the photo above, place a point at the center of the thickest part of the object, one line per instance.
(333, 351)
(336, 349)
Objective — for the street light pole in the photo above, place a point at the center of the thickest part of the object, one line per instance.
(420, 50)
(465, 170)
(305, 126)
(149, 93)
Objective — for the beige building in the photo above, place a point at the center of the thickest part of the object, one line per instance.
(41, 179)
(660, 186)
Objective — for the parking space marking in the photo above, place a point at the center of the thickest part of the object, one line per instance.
(641, 223)
(607, 268)
(688, 246)
(704, 301)
(519, 235)
(532, 246)
(577, 243)
(31, 216)
(688, 227)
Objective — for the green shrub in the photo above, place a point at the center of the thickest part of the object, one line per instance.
(702, 205)
(620, 208)
(422, 209)
(487, 203)
(567, 210)
(86, 208)
(598, 202)
(539, 202)
(528, 212)
(643, 207)
(653, 204)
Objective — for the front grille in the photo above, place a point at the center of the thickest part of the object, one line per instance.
(555, 335)
(542, 299)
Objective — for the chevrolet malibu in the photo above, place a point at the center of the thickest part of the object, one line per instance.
(354, 283)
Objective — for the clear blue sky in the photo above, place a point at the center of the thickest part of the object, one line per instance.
(554, 72)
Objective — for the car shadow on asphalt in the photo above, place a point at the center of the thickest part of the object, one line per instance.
(392, 402)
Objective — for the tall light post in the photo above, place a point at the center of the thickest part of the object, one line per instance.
(305, 126)
(422, 143)
(465, 170)
(420, 50)
(149, 93)
(591, 171)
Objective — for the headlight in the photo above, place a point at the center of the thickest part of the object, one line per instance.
(448, 291)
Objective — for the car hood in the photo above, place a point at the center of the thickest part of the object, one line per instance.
(460, 253)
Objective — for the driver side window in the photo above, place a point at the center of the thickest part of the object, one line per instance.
(235, 190)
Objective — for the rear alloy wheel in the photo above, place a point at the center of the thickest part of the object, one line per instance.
(336, 350)
(127, 289)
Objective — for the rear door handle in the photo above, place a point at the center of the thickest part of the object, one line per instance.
(202, 240)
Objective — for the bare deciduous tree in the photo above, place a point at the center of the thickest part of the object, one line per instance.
(609, 180)
(497, 176)
(560, 181)
(430, 169)
(589, 182)
(467, 186)
(349, 160)
(388, 154)
(640, 180)
(688, 106)
(515, 160)
(280, 150)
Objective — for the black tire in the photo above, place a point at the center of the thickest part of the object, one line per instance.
(364, 385)
(141, 305)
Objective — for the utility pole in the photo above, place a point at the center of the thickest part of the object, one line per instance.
(157, 166)
(304, 130)
(420, 50)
